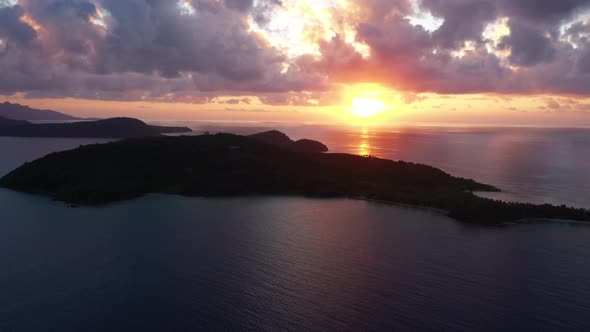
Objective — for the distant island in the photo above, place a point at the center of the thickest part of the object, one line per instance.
(231, 165)
(108, 128)
(21, 112)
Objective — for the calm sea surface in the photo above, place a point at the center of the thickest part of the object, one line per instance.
(174, 263)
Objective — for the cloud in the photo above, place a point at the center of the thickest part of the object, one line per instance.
(543, 11)
(233, 101)
(534, 57)
(552, 104)
(240, 5)
(156, 50)
(463, 20)
(583, 60)
(12, 29)
(528, 46)
(137, 45)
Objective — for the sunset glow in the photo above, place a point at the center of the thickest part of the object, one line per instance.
(379, 165)
(366, 107)
(303, 61)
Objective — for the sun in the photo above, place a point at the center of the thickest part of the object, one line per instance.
(366, 107)
(367, 103)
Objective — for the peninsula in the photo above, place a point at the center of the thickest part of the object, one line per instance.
(108, 128)
(232, 165)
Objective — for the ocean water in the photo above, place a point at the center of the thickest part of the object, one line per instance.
(175, 263)
(14, 151)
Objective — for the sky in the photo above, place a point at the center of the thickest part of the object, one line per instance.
(485, 62)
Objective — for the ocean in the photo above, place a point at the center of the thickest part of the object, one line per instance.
(287, 263)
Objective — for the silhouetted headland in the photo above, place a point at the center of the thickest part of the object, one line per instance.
(108, 128)
(277, 138)
(21, 112)
(172, 130)
(232, 165)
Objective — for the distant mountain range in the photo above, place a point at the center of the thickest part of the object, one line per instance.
(109, 128)
(21, 112)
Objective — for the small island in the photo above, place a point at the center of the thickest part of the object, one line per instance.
(263, 164)
(108, 128)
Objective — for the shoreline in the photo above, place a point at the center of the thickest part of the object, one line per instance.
(234, 165)
(447, 213)
(413, 206)
(549, 220)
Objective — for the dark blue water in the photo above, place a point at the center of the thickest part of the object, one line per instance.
(173, 263)
(14, 151)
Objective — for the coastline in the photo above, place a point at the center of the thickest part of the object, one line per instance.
(232, 165)
(549, 220)
(413, 206)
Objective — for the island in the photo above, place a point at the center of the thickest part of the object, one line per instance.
(108, 128)
(223, 165)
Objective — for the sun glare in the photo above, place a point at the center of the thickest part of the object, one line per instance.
(366, 107)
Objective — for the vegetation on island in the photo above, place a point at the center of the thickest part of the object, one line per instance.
(232, 165)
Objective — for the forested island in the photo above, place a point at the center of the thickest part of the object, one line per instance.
(264, 164)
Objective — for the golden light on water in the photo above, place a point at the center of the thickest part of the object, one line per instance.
(364, 148)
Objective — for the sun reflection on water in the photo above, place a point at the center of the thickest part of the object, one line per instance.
(364, 147)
